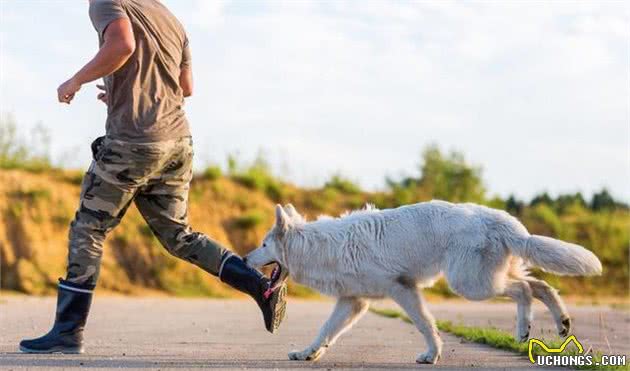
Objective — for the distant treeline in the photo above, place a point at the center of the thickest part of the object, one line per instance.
(441, 176)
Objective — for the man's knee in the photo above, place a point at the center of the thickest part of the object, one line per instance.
(180, 241)
(85, 252)
(86, 238)
(91, 226)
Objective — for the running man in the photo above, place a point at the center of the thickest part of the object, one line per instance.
(145, 158)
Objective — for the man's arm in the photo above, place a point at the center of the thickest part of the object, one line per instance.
(118, 45)
(185, 73)
(186, 81)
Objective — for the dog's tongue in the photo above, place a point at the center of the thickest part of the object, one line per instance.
(275, 277)
(275, 274)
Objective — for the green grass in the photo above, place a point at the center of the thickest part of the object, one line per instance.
(390, 313)
(498, 339)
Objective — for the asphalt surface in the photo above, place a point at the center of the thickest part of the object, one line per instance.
(167, 333)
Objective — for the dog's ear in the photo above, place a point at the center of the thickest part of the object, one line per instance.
(290, 210)
(282, 220)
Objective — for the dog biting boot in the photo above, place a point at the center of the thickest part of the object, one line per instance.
(244, 278)
(66, 335)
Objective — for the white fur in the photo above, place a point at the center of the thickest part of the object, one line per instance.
(391, 253)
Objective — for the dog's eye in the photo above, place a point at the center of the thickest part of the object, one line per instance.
(264, 244)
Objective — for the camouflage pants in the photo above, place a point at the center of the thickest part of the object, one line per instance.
(156, 177)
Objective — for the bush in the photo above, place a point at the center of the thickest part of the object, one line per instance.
(356, 202)
(251, 179)
(257, 176)
(212, 172)
(249, 220)
(73, 177)
(275, 191)
(401, 195)
(18, 153)
(343, 185)
(33, 194)
(542, 219)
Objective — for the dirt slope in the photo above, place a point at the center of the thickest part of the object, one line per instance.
(36, 210)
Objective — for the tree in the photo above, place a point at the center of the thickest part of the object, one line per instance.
(446, 177)
(514, 206)
(565, 202)
(602, 201)
(542, 198)
(449, 177)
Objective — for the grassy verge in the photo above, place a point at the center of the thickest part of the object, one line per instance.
(498, 339)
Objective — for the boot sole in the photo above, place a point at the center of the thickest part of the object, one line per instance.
(279, 307)
(58, 349)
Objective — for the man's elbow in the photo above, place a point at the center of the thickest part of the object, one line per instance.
(121, 49)
(126, 48)
(185, 82)
(119, 39)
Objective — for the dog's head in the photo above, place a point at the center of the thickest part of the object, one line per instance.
(274, 246)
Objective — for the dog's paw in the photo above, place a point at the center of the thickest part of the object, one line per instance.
(565, 328)
(523, 335)
(428, 358)
(306, 355)
(296, 356)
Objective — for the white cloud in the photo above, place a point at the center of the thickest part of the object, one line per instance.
(208, 14)
(529, 90)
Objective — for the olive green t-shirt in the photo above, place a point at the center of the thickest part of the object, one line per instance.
(145, 101)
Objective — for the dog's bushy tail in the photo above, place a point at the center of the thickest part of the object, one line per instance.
(555, 256)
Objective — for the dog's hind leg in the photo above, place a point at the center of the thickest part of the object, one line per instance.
(412, 302)
(346, 313)
(549, 296)
(521, 293)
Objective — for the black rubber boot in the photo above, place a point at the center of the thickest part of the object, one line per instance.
(246, 279)
(66, 336)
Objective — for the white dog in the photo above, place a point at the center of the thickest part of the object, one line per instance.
(392, 253)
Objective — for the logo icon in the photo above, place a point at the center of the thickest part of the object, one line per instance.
(560, 349)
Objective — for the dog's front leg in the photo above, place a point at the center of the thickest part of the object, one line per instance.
(346, 313)
(412, 302)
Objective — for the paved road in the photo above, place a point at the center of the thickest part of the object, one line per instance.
(166, 333)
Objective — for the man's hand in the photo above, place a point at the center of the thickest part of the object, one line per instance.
(67, 90)
(102, 96)
(118, 46)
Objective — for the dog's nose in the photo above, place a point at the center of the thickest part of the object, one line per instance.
(245, 259)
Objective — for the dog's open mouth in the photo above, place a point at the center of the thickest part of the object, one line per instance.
(278, 276)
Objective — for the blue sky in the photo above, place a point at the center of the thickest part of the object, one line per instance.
(535, 92)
